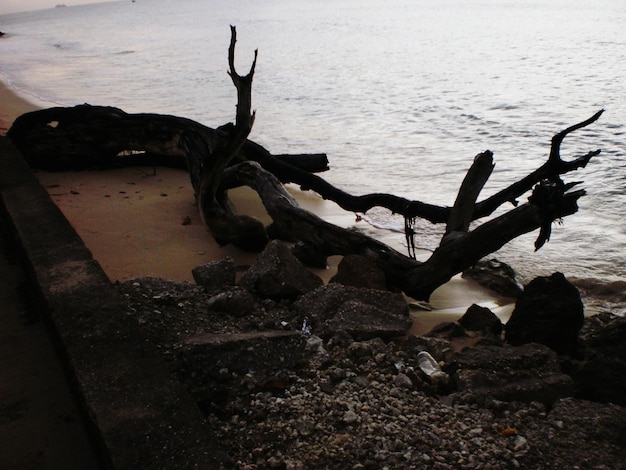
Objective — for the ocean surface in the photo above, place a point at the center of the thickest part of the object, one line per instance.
(401, 95)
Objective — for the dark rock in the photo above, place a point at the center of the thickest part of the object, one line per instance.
(315, 352)
(358, 350)
(363, 321)
(277, 274)
(602, 376)
(481, 319)
(496, 276)
(525, 373)
(235, 301)
(359, 271)
(600, 428)
(215, 365)
(605, 334)
(309, 255)
(549, 312)
(602, 379)
(167, 293)
(215, 275)
(490, 341)
(364, 313)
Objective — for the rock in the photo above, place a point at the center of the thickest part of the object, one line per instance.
(273, 397)
(549, 312)
(309, 255)
(277, 274)
(363, 313)
(600, 429)
(214, 364)
(242, 352)
(605, 334)
(315, 351)
(481, 319)
(525, 373)
(215, 275)
(496, 276)
(359, 271)
(363, 321)
(235, 301)
(602, 377)
(403, 381)
(350, 417)
(361, 349)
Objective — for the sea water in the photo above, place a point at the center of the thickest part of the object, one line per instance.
(401, 94)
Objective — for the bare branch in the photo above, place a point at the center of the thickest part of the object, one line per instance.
(555, 149)
(210, 156)
(462, 212)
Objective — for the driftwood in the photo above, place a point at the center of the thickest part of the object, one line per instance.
(223, 158)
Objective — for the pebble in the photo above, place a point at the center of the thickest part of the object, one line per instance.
(354, 405)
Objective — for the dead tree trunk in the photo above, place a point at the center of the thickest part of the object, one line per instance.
(418, 280)
(100, 137)
(220, 159)
(208, 162)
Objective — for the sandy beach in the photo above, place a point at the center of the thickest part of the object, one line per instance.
(142, 221)
(11, 106)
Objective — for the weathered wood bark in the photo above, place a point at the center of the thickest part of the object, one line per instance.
(208, 160)
(462, 212)
(98, 137)
(223, 158)
(416, 279)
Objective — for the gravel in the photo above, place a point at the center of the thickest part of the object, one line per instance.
(367, 405)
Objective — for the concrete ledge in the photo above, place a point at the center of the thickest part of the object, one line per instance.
(141, 414)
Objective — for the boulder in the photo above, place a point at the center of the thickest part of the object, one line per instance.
(605, 334)
(215, 275)
(214, 366)
(359, 271)
(235, 301)
(602, 376)
(602, 379)
(481, 319)
(496, 276)
(363, 321)
(525, 373)
(362, 313)
(278, 274)
(309, 255)
(600, 428)
(549, 312)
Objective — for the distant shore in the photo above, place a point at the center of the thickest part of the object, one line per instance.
(140, 222)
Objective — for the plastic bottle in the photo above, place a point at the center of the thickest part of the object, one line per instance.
(431, 368)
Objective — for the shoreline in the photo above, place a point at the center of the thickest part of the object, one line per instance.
(129, 217)
(147, 360)
(12, 105)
